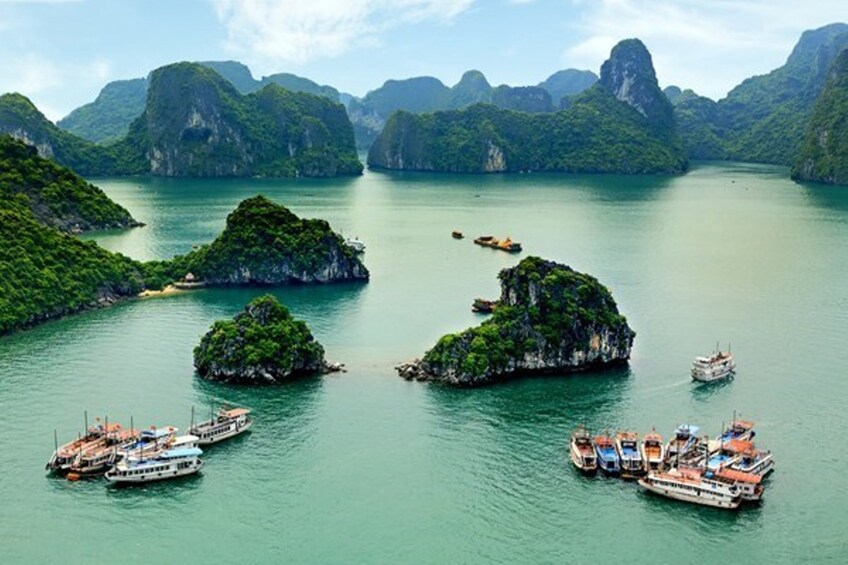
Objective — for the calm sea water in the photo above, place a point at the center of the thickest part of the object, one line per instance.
(365, 467)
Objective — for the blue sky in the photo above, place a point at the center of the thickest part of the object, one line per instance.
(61, 52)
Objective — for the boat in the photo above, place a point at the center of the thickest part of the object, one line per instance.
(755, 462)
(719, 365)
(356, 245)
(178, 461)
(653, 451)
(691, 485)
(457, 234)
(227, 423)
(99, 458)
(608, 460)
(748, 483)
(483, 306)
(149, 443)
(627, 447)
(495, 243)
(582, 452)
(685, 438)
(742, 430)
(63, 456)
(722, 458)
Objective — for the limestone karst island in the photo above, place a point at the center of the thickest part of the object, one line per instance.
(439, 281)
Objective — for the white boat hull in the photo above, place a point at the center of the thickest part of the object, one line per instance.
(172, 471)
(209, 438)
(577, 460)
(703, 497)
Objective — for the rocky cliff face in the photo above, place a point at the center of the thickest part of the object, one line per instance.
(550, 319)
(629, 75)
(197, 124)
(266, 244)
(824, 155)
(262, 345)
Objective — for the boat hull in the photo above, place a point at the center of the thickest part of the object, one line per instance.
(578, 460)
(230, 432)
(153, 476)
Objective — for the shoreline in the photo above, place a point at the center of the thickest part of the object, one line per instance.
(168, 290)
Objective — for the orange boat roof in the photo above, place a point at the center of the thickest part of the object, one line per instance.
(744, 424)
(739, 476)
(235, 412)
(739, 446)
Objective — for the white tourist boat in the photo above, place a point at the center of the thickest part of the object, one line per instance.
(690, 485)
(229, 422)
(356, 244)
(182, 459)
(748, 483)
(719, 365)
(149, 443)
(755, 462)
(653, 451)
(582, 452)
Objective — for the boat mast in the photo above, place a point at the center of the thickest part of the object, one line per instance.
(191, 424)
(85, 430)
(55, 440)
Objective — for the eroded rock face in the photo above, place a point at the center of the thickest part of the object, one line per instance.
(550, 319)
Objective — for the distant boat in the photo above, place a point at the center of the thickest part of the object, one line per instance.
(719, 365)
(627, 446)
(653, 451)
(608, 460)
(356, 245)
(457, 234)
(504, 245)
(227, 423)
(483, 305)
(65, 455)
(582, 453)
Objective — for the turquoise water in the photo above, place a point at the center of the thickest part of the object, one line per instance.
(365, 467)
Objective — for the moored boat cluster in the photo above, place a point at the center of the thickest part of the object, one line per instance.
(141, 456)
(724, 472)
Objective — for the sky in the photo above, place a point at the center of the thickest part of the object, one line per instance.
(60, 53)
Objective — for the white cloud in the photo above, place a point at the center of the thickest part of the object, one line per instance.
(267, 32)
(709, 46)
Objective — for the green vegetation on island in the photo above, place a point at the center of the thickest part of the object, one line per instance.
(107, 119)
(55, 195)
(263, 344)
(824, 154)
(549, 319)
(265, 243)
(622, 124)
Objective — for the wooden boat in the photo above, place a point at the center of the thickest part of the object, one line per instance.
(181, 460)
(685, 438)
(457, 234)
(504, 245)
(607, 457)
(719, 365)
(627, 447)
(653, 451)
(229, 422)
(64, 456)
(99, 458)
(483, 306)
(690, 485)
(582, 452)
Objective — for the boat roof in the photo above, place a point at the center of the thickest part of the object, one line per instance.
(746, 424)
(687, 428)
(159, 432)
(186, 439)
(235, 412)
(628, 435)
(739, 476)
(182, 452)
(652, 436)
(603, 440)
(738, 445)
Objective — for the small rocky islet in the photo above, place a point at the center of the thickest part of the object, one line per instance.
(263, 344)
(550, 319)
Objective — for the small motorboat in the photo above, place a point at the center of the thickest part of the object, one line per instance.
(627, 446)
(229, 422)
(483, 306)
(582, 453)
(742, 430)
(457, 234)
(719, 365)
(653, 451)
(608, 460)
(685, 438)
